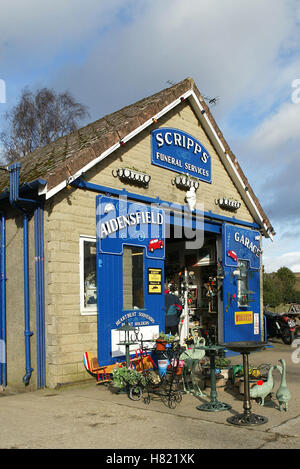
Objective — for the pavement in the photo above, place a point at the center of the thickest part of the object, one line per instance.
(90, 416)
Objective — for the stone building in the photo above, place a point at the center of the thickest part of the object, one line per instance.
(70, 275)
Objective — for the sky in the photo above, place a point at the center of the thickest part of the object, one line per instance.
(109, 54)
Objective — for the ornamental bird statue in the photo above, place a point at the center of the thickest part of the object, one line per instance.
(262, 390)
(283, 395)
(191, 359)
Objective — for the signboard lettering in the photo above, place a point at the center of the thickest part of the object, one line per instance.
(178, 151)
(243, 317)
(242, 243)
(121, 222)
(154, 281)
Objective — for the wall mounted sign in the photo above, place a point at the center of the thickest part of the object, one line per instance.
(154, 281)
(256, 324)
(178, 151)
(241, 243)
(120, 222)
(243, 317)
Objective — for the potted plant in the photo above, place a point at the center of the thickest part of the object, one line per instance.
(128, 380)
(162, 340)
(223, 364)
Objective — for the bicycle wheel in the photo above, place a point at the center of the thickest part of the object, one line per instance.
(172, 401)
(135, 393)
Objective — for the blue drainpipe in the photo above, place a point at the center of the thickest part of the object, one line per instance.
(16, 201)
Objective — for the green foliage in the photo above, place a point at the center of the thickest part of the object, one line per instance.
(166, 337)
(123, 377)
(279, 287)
(222, 362)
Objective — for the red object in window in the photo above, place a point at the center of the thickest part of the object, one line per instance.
(260, 382)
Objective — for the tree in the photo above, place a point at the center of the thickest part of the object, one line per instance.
(279, 287)
(272, 290)
(288, 281)
(38, 119)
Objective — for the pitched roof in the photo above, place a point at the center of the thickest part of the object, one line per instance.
(65, 158)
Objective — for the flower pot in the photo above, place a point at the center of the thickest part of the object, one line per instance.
(160, 345)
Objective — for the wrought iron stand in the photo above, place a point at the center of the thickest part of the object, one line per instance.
(214, 405)
(247, 417)
(126, 328)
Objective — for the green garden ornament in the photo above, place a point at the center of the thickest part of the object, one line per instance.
(262, 390)
(283, 394)
(191, 360)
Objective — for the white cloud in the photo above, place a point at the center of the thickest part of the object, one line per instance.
(34, 33)
(230, 48)
(291, 260)
(278, 129)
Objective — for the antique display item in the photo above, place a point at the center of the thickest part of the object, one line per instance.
(247, 417)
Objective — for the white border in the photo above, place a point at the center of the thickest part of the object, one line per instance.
(84, 311)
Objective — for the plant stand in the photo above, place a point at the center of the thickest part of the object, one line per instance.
(127, 340)
(247, 417)
(214, 405)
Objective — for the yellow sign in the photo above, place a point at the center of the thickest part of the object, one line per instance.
(154, 281)
(243, 317)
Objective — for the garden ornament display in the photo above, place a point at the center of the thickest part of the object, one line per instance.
(236, 370)
(191, 360)
(262, 390)
(283, 395)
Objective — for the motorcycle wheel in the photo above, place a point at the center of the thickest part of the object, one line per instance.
(287, 336)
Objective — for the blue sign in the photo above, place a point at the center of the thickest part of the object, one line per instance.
(180, 152)
(241, 243)
(121, 222)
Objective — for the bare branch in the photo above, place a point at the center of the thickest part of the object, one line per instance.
(38, 119)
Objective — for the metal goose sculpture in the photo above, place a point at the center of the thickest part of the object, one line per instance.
(283, 394)
(191, 359)
(262, 390)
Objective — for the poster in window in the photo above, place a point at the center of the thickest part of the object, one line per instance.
(154, 281)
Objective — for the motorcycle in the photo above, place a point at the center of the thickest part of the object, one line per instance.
(280, 326)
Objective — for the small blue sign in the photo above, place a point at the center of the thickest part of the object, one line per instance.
(241, 243)
(121, 222)
(178, 151)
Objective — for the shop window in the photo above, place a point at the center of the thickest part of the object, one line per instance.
(133, 277)
(243, 283)
(88, 284)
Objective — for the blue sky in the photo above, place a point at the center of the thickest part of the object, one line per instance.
(111, 53)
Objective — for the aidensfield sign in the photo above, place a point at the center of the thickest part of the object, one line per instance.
(178, 151)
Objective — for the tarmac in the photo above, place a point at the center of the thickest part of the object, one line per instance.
(90, 416)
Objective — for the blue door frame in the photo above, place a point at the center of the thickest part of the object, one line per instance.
(112, 214)
(241, 323)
